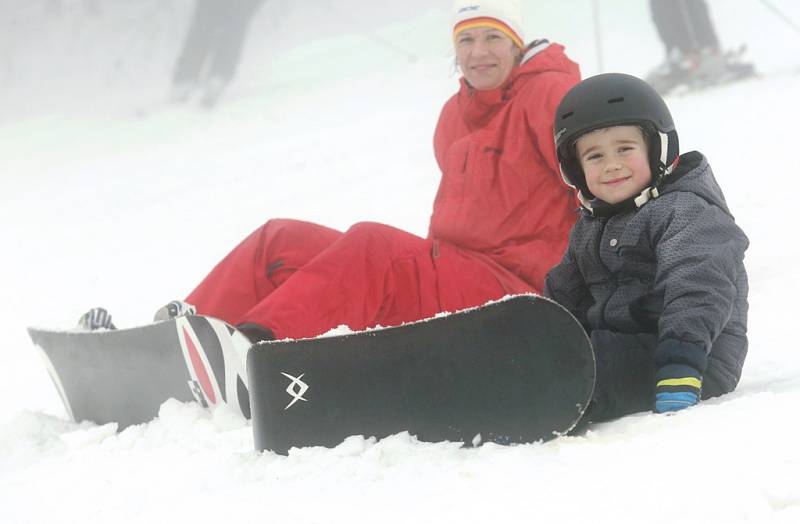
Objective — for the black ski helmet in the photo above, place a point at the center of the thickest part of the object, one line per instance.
(607, 100)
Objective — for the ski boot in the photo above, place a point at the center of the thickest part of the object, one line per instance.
(714, 68)
(94, 319)
(174, 309)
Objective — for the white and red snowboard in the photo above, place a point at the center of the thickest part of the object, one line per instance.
(125, 375)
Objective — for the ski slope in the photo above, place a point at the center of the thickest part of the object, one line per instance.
(110, 196)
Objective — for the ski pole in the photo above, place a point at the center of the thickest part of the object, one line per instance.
(598, 37)
(780, 14)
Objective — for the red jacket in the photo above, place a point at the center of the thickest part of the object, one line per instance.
(501, 193)
(500, 221)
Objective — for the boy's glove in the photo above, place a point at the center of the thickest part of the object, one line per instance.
(677, 387)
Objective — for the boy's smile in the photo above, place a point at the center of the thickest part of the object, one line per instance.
(615, 162)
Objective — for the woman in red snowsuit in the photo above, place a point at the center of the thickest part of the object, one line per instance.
(500, 219)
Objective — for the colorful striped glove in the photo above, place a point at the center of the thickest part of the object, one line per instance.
(677, 387)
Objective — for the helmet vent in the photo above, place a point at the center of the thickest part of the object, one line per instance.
(617, 100)
(567, 115)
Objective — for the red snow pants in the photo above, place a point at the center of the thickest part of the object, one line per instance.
(300, 279)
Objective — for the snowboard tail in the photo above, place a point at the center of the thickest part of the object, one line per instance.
(514, 371)
(125, 375)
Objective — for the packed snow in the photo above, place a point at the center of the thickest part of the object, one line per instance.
(111, 196)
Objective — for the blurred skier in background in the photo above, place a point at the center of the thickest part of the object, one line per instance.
(212, 48)
(694, 57)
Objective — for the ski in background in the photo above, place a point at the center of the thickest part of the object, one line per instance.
(701, 73)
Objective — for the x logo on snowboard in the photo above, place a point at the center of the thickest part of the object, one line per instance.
(297, 395)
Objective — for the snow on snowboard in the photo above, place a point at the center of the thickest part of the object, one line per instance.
(517, 370)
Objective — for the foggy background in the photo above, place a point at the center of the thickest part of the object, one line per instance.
(102, 56)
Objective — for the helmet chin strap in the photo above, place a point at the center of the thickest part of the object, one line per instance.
(609, 209)
(645, 196)
(664, 170)
(667, 169)
(585, 202)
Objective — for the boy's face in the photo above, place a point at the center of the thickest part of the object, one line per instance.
(615, 163)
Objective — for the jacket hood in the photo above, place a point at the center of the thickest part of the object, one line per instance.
(694, 174)
(543, 56)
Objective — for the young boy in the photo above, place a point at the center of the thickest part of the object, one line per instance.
(654, 268)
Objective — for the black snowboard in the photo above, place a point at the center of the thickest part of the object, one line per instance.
(518, 370)
(125, 375)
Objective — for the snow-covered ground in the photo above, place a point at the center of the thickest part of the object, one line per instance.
(109, 196)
